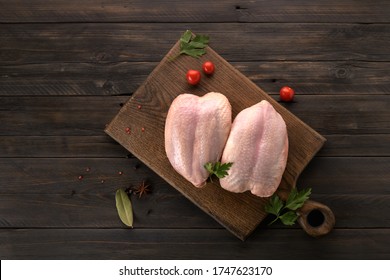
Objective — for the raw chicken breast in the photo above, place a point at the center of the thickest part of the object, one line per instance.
(196, 130)
(258, 147)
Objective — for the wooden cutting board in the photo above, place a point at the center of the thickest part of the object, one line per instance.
(145, 114)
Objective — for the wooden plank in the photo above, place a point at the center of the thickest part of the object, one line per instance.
(326, 175)
(61, 147)
(165, 208)
(105, 147)
(306, 77)
(358, 211)
(347, 175)
(188, 11)
(191, 244)
(73, 78)
(356, 145)
(47, 116)
(339, 116)
(88, 115)
(146, 141)
(53, 175)
(319, 77)
(108, 43)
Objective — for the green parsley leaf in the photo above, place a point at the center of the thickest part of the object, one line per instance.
(192, 45)
(286, 212)
(186, 37)
(274, 206)
(209, 167)
(201, 39)
(296, 199)
(193, 52)
(289, 218)
(218, 169)
(123, 205)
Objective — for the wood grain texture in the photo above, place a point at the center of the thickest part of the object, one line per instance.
(57, 115)
(102, 146)
(347, 176)
(356, 145)
(165, 208)
(200, 244)
(326, 175)
(199, 11)
(88, 115)
(60, 78)
(239, 213)
(112, 43)
(99, 146)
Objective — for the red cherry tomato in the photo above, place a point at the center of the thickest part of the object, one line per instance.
(193, 77)
(208, 67)
(286, 94)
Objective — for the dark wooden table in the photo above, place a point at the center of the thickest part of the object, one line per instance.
(66, 67)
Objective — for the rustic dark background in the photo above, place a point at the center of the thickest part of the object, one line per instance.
(66, 67)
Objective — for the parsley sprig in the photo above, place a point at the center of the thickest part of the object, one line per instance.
(192, 45)
(218, 169)
(286, 211)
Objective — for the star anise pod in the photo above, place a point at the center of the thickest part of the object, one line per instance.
(142, 189)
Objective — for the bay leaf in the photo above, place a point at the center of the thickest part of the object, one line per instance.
(124, 207)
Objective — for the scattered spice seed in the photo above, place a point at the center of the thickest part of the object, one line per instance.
(102, 181)
(80, 177)
(120, 173)
(88, 169)
(128, 190)
(139, 107)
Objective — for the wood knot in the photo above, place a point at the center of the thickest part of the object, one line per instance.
(101, 57)
(108, 86)
(238, 7)
(342, 72)
(242, 13)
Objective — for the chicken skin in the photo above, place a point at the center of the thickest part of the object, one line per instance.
(196, 131)
(258, 148)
